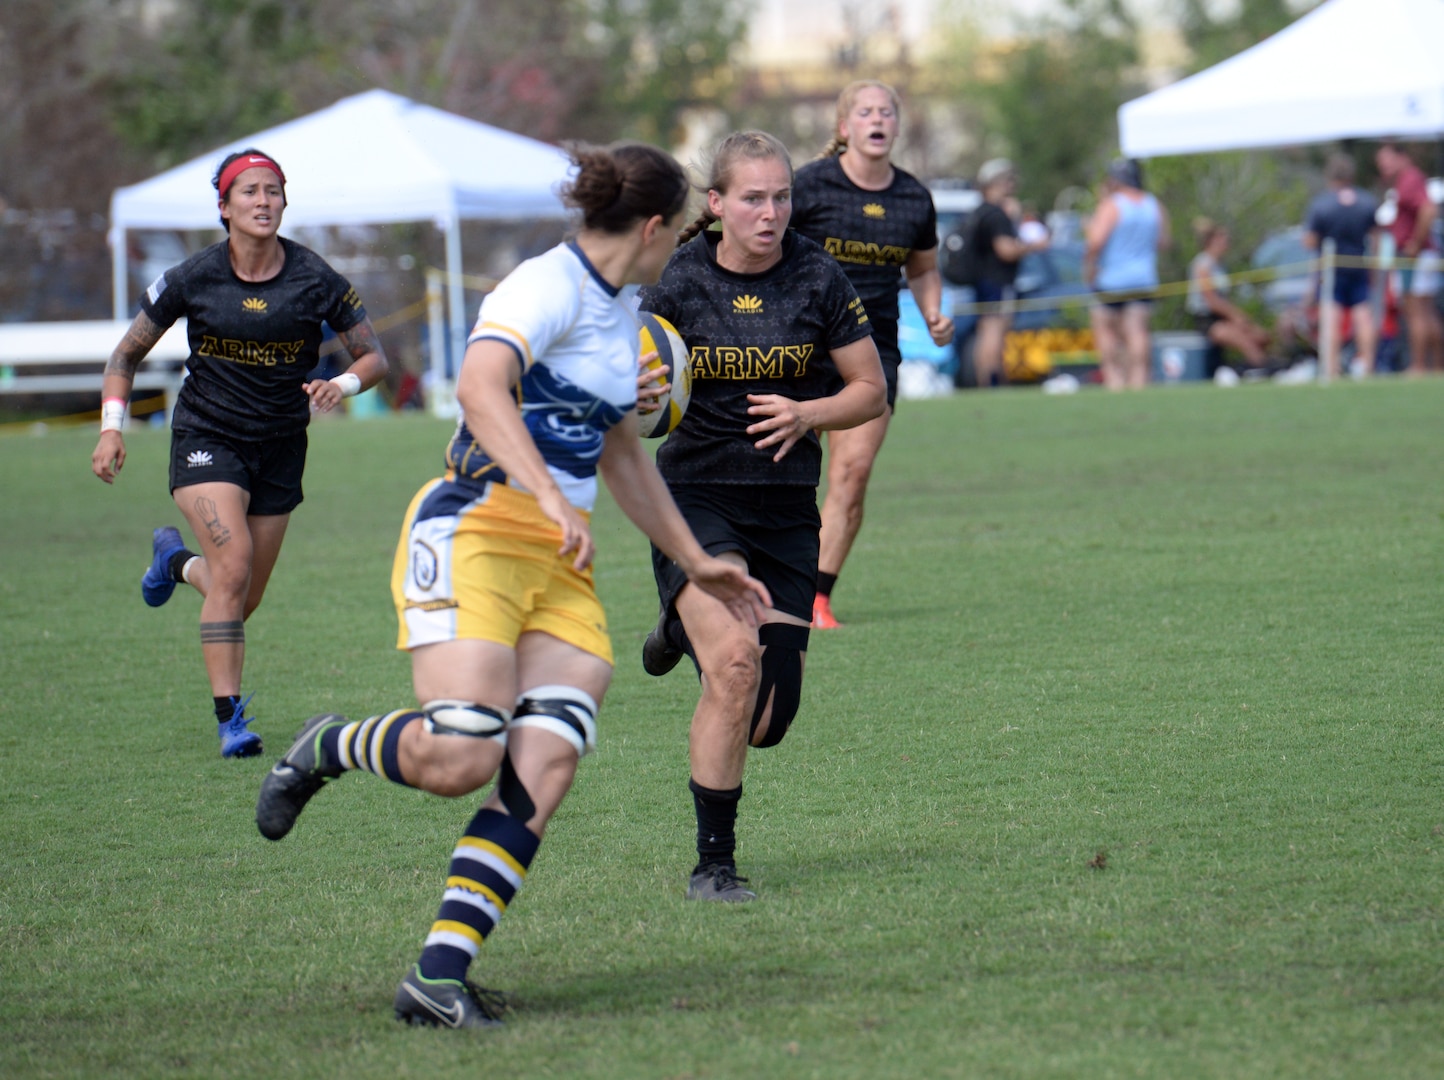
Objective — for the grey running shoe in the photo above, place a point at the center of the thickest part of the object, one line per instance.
(292, 781)
(447, 1002)
(719, 883)
(659, 655)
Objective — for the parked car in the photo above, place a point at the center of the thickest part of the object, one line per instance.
(1284, 251)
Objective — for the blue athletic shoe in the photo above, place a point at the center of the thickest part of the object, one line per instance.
(236, 740)
(157, 585)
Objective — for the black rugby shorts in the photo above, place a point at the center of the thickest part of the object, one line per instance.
(270, 469)
(774, 527)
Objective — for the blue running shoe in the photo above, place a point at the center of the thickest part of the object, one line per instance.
(157, 585)
(236, 740)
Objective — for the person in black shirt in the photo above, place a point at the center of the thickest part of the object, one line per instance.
(997, 249)
(254, 305)
(762, 310)
(877, 221)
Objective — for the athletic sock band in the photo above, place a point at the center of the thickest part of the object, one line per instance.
(371, 744)
(488, 868)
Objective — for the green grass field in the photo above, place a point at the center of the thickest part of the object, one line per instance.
(1129, 762)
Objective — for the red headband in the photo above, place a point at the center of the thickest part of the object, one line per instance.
(240, 165)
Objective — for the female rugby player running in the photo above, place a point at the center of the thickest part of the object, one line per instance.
(492, 580)
(874, 219)
(254, 304)
(761, 310)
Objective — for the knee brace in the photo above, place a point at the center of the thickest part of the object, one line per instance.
(782, 647)
(446, 717)
(564, 711)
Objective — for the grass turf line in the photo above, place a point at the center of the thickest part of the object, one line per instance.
(1189, 634)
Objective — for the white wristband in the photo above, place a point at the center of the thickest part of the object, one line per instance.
(349, 383)
(112, 414)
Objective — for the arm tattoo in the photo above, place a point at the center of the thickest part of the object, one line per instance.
(211, 515)
(360, 340)
(223, 633)
(138, 340)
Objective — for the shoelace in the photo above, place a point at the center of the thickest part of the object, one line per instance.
(239, 716)
(491, 1003)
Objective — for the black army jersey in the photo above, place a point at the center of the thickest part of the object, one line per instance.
(871, 233)
(767, 333)
(252, 342)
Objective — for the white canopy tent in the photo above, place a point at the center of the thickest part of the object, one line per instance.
(370, 159)
(1347, 69)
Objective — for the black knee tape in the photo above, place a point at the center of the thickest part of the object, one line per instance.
(513, 793)
(782, 647)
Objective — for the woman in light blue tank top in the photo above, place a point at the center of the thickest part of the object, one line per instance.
(1128, 230)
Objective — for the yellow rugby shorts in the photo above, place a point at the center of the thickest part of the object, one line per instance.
(485, 566)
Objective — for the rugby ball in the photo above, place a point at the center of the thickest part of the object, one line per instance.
(661, 337)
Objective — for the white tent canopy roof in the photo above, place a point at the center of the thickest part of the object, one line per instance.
(1347, 69)
(373, 158)
(370, 159)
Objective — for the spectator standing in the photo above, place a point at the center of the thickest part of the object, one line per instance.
(1412, 229)
(1345, 215)
(995, 252)
(1120, 261)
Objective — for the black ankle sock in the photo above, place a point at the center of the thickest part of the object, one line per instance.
(825, 582)
(178, 563)
(716, 825)
(226, 707)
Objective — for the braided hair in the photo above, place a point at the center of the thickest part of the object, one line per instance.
(739, 146)
(845, 101)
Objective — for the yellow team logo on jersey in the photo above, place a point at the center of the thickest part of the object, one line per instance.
(747, 305)
(253, 303)
(873, 210)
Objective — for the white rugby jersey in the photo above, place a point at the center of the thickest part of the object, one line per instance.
(579, 347)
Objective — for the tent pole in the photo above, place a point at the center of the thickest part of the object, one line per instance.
(439, 395)
(456, 297)
(119, 274)
(1328, 316)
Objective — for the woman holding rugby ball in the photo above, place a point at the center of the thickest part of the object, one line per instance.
(510, 656)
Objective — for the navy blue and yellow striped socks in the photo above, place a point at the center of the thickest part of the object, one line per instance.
(487, 868)
(369, 744)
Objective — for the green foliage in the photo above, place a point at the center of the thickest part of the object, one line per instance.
(1049, 101)
(219, 69)
(1126, 764)
(596, 69)
(1213, 36)
(1251, 193)
(660, 57)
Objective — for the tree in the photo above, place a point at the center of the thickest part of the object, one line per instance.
(57, 147)
(1213, 38)
(1252, 194)
(1049, 99)
(552, 69)
(660, 58)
